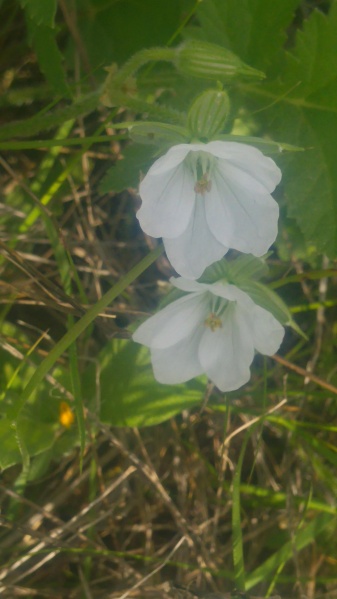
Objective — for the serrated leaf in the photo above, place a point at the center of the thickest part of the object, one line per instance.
(254, 29)
(305, 114)
(127, 172)
(42, 12)
(49, 57)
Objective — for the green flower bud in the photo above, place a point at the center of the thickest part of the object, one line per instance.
(209, 61)
(208, 114)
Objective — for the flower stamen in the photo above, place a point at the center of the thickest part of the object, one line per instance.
(203, 185)
(213, 322)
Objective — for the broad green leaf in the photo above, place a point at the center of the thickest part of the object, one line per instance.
(42, 12)
(127, 172)
(113, 31)
(37, 436)
(254, 29)
(129, 394)
(305, 114)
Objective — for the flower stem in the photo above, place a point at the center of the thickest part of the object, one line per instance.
(84, 322)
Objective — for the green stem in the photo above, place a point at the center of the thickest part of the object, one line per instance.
(238, 559)
(312, 275)
(64, 142)
(41, 122)
(141, 58)
(84, 322)
(137, 104)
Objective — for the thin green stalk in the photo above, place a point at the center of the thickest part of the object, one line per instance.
(303, 276)
(27, 127)
(238, 558)
(140, 59)
(41, 144)
(84, 322)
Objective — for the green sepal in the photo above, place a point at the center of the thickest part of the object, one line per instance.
(244, 272)
(208, 114)
(244, 267)
(266, 146)
(209, 61)
(266, 298)
(158, 133)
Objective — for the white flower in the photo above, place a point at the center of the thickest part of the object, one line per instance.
(206, 198)
(214, 329)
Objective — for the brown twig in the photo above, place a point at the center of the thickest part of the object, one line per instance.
(305, 374)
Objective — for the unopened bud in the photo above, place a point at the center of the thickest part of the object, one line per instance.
(208, 114)
(210, 61)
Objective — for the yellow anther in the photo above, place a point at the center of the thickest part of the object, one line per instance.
(203, 185)
(213, 322)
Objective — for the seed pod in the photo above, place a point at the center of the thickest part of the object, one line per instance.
(210, 61)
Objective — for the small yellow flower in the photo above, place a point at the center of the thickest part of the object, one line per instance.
(66, 415)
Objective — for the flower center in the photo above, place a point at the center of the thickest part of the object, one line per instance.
(213, 322)
(203, 185)
(202, 165)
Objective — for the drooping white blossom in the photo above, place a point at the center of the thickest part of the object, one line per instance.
(214, 329)
(206, 198)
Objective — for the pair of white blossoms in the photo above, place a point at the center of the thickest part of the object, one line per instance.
(204, 199)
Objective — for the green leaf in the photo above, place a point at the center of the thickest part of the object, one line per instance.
(129, 394)
(49, 57)
(307, 535)
(113, 31)
(305, 114)
(42, 12)
(254, 29)
(127, 172)
(37, 436)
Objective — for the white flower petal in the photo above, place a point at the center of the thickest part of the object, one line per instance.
(196, 248)
(167, 202)
(227, 353)
(240, 213)
(268, 333)
(178, 363)
(231, 293)
(248, 159)
(173, 323)
(170, 160)
(188, 285)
